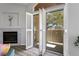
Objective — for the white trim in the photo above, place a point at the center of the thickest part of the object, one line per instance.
(44, 30)
(36, 12)
(32, 30)
(66, 53)
(29, 13)
(40, 32)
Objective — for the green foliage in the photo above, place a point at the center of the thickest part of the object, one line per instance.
(77, 41)
(56, 17)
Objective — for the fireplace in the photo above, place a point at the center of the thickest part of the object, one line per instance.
(9, 37)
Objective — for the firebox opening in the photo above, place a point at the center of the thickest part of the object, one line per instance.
(9, 37)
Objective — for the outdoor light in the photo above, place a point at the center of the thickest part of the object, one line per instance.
(51, 45)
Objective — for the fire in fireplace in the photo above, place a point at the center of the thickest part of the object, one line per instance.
(9, 37)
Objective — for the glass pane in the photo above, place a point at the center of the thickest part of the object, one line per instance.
(55, 19)
(55, 31)
(28, 21)
(36, 30)
(28, 38)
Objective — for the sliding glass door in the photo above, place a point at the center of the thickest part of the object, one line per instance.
(55, 31)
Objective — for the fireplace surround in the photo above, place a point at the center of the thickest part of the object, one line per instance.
(10, 37)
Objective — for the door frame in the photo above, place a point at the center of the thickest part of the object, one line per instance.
(54, 8)
(65, 35)
(66, 49)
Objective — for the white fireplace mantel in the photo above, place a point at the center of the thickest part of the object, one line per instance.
(7, 29)
(16, 27)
